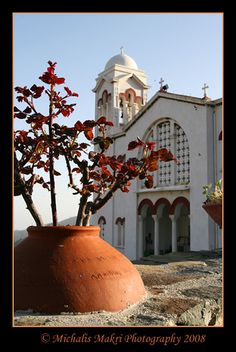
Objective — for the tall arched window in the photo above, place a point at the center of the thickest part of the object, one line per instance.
(120, 232)
(102, 223)
(168, 134)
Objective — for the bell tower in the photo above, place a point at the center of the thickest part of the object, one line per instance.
(121, 91)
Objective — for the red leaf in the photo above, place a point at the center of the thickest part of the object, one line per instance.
(47, 77)
(95, 175)
(151, 145)
(166, 155)
(109, 123)
(84, 145)
(27, 110)
(132, 145)
(76, 169)
(115, 165)
(79, 126)
(88, 134)
(76, 152)
(51, 67)
(40, 164)
(93, 188)
(106, 171)
(56, 173)
(152, 165)
(68, 91)
(67, 110)
(45, 185)
(102, 160)
(89, 123)
(59, 80)
(27, 170)
(20, 115)
(125, 189)
(20, 99)
(102, 120)
(149, 181)
(37, 90)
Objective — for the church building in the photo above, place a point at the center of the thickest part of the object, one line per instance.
(168, 217)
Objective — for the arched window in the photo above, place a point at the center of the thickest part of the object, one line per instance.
(121, 110)
(102, 223)
(171, 136)
(120, 232)
(168, 134)
(182, 154)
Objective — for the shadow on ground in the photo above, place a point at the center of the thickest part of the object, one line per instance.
(179, 257)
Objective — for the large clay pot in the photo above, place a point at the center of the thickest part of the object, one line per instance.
(71, 269)
(214, 211)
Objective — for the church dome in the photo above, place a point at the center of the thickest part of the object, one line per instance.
(121, 59)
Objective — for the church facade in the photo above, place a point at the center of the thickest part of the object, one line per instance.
(169, 217)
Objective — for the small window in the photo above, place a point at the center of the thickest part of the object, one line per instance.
(120, 232)
(102, 223)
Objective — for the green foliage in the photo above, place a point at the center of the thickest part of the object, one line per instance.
(213, 195)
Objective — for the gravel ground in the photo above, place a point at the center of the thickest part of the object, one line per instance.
(179, 293)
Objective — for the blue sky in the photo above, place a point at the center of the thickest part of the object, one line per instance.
(184, 49)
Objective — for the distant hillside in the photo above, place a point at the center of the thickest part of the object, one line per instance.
(19, 235)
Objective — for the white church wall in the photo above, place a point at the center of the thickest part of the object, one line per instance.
(131, 83)
(105, 86)
(106, 211)
(201, 122)
(169, 195)
(219, 144)
(193, 123)
(125, 207)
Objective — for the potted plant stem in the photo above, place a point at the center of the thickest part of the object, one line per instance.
(70, 268)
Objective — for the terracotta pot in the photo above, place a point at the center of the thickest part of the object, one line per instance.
(71, 269)
(214, 211)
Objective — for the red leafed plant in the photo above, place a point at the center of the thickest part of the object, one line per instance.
(45, 140)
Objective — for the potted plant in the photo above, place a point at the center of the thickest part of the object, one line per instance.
(70, 268)
(213, 202)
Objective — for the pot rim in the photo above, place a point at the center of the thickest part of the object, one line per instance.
(64, 230)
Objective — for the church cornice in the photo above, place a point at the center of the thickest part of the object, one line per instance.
(171, 96)
(138, 80)
(98, 84)
(104, 78)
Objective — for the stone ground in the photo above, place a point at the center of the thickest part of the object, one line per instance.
(183, 289)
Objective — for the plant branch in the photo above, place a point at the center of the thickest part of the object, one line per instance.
(70, 175)
(51, 166)
(84, 198)
(102, 201)
(20, 188)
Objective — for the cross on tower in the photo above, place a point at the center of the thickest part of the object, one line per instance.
(122, 50)
(161, 81)
(205, 88)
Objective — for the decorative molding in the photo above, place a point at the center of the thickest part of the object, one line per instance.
(147, 202)
(179, 200)
(162, 201)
